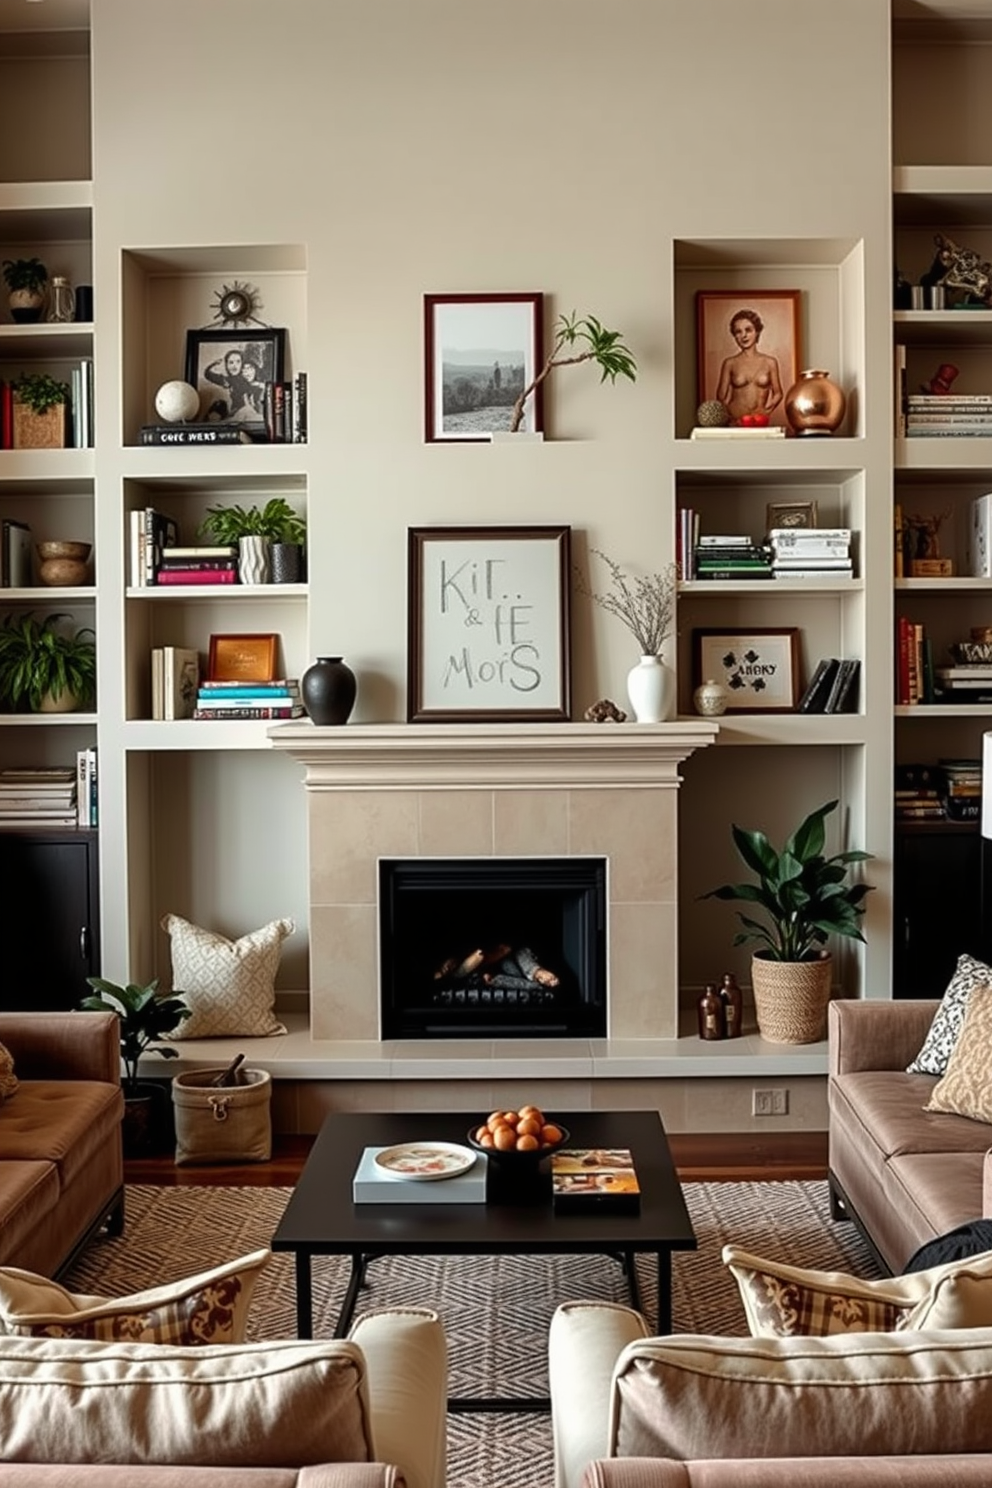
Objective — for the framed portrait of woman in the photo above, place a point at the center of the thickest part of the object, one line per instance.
(748, 349)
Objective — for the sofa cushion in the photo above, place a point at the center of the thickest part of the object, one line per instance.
(929, 1193)
(787, 1472)
(29, 1191)
(61, 1121)
(946, 1026)
(864, 1395)
(229, 985)
(889, 1113)
(249, 1405)
(8, 1080)
(964, 1088)
(211, 1307)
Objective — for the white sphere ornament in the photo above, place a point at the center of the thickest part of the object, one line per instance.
(176, 402)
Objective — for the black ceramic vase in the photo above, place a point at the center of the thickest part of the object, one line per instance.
(329, 689)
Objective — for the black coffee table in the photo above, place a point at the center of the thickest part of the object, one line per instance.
(322, 1219)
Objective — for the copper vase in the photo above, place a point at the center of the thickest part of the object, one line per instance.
(814, 404)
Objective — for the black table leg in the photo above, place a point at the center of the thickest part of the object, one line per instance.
(664, 1291)
(630, 1267)
(304, 1296)
(351, 1295)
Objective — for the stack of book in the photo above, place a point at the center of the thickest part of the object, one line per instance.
(686, 541)
(970, 682)
(197, 565)
(811, 552)
(87, 811)
(914, 663)
(38, 798)
(833, 687)
(962, 788)
(736, 431)
(279, 699)
(175, 679)
(730, 556)
(919, 793)
(151, 532)
(930, 415)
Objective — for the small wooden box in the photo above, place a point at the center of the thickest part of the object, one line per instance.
(931, 568)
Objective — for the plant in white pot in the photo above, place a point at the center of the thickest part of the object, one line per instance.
(806, 898)
(253, 530)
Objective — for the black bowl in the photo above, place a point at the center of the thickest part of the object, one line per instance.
(512, 1161)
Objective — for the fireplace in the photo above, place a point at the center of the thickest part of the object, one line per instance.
(492, 947)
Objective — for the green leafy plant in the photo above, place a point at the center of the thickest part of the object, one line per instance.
(39, 392)
(38, 658)
(145, 1019)
(276, 520)
(595, 343)
(645, 603)
(25, 273)
(803, 893)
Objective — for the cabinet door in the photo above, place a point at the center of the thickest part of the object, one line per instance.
(49, 941)
(937, 908)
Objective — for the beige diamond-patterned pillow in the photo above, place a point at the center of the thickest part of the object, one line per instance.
(965, 1089)
(229, 985)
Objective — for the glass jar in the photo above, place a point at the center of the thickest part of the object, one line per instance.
(710, 1013)
(61, 300)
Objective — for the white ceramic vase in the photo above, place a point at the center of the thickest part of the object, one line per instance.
(253, 560)
(651, 690)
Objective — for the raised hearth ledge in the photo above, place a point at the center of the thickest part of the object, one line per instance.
(398, 756)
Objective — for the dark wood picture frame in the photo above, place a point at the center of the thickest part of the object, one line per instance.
(480, 352)
(774, 316)
(227, 394)
(488, 630)
(757, 664)
(249, 657)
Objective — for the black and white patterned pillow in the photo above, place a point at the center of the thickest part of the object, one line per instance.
(947, 1020)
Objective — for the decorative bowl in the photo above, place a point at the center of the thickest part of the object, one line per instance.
(63, 563)
(512, 1161)
(78, 550)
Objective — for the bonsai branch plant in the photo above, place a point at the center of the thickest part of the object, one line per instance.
(579, 339)
(145, 1019)
(806, 897)
(44, 668)
(25, 278)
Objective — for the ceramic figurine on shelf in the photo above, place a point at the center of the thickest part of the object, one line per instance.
(941, 381)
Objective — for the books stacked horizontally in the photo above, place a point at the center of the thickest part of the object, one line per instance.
(919, 793)
(811, 552)
(962, 788)
(730, 556)
(930, 415)
(38, 798)
(279, 699)
(737, 431)
(833, 687)
(197, 565)
(967, 682)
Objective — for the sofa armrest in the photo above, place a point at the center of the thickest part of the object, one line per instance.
(987, 1187)
(584, 1343)
(63, 1046)
(871, 1035)
(406, 1357)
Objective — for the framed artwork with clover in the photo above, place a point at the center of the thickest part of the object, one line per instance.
(758, 665)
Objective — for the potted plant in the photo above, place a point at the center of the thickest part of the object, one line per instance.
(44, 667)
(145, 1019)
(806, 897)
(580, 340)
(25, 278)
(39, 411)
(253, 531)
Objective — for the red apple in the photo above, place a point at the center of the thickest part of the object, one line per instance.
(759, 420)
(746, 420)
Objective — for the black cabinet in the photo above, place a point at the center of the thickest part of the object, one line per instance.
(49, 918)
(937, 904)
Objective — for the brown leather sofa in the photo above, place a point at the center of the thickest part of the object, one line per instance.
(61, 1160)
(905, 1175)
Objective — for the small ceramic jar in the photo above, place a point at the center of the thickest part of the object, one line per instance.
(711, 698)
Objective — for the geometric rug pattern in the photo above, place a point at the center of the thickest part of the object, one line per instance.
(496, 1310)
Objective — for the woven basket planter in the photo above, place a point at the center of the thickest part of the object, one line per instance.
(222, 1123)
(790, 999)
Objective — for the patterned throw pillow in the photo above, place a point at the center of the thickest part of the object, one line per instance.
(229, 985)
(932, 1058)
(8, 1080)
(966, 1089)
(209, 1308)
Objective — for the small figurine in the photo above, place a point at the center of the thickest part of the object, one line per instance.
(959, 268)
(604, 712)
(940, 382)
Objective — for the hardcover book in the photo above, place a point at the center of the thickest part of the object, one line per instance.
(181, 678)
(814, 699)
(590, 1178)
(15, 556)
(203, 434)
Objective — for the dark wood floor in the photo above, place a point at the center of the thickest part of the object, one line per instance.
(741, 1157)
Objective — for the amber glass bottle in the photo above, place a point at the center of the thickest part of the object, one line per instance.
(711, 1017)
(733, 1005)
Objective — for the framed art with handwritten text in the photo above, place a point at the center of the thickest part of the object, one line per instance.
(488, 626)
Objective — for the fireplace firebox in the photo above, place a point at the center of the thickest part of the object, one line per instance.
(492, 947)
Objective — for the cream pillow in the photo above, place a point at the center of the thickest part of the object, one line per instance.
(228, 985)
(8, 1080)
(783, 1301)
(966, 1088)
(209, 1308)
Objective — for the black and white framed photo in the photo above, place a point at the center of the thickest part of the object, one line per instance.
(480, 353)
(488, 624)
(758, 665)
(229, 369)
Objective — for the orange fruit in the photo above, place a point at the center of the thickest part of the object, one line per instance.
(511, 1118)
(550, 1134)
(504, 1138)
(486, 1140)
(529, 1127)
(527, 1143)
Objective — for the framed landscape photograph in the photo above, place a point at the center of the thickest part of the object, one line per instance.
(229, 369)
(488, 625)
(759, 666)
(747, 353)
(480, 352)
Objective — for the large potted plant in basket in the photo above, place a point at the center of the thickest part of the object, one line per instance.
(145, 1019)
(806, 897)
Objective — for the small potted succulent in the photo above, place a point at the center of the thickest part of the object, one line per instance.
(39, 411)
(145, 1019)
(256, 532)
(25, 278)
(43, 667)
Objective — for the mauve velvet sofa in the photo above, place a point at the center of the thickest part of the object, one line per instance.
(61, 1157)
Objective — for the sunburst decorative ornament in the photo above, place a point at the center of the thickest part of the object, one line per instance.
(236, 305)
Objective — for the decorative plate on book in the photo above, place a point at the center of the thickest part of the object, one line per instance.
(425, 1162)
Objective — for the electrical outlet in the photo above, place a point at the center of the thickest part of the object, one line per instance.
(773, 1102)
(780, 1102)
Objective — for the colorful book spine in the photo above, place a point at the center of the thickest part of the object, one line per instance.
(292, 711)
(196, 576)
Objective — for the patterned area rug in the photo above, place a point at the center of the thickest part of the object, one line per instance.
(496, 1311)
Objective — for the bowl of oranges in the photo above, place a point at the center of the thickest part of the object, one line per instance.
(518, 1140)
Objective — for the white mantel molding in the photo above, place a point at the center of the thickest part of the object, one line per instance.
(529, 756)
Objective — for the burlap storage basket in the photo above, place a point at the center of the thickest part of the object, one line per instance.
(790, 999)
(223, 1123)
